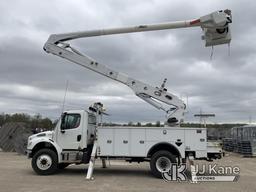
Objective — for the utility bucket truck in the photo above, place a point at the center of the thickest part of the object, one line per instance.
(78, 138)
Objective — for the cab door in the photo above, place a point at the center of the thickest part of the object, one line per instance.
(70, 132)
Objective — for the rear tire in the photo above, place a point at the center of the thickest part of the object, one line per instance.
(45, 162)
(160, 162)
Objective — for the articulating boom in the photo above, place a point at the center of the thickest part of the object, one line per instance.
(216, 31)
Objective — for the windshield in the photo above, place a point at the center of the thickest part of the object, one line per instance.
(57, 124)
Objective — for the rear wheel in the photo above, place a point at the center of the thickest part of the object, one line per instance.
(160, 162)
(45, 162)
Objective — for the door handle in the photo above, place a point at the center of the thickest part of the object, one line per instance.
(78, 137)
(62, 131)
(125, 141)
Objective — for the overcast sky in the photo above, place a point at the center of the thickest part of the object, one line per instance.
(33, 81)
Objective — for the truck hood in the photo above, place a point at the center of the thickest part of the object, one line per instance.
(47, 134)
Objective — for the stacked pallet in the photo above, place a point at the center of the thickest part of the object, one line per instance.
(246, 148)
(235, 145)
(13, 137)
(239, 147)
(253, 145)
(244, 140)
(228, 144)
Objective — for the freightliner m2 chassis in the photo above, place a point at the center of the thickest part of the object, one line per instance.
(78, 138)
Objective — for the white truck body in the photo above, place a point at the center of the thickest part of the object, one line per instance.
(138, 141)
(74, 144)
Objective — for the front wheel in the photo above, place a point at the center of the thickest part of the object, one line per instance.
(160, 162)
(45, 162)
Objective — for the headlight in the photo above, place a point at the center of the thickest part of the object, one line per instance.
(41, 135)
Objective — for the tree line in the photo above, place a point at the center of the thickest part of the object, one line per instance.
(37, 121)
(32, 121)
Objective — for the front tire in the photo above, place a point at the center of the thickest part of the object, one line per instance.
(161, 161)
(45, 162)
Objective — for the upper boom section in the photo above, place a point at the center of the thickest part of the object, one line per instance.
(140, 28)
(215, 26)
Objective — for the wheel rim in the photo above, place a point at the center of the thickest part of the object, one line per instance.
(44, 162)
(163, 164)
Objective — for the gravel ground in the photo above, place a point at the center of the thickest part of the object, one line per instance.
(16, 175)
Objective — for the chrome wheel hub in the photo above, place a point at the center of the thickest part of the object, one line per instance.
(163, 164)
(44, 162)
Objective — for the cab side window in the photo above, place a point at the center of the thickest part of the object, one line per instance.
(71, 121)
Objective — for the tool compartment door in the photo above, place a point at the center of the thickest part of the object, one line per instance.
(122, 142)
(106, 141)
(196, 140)
(138, 142)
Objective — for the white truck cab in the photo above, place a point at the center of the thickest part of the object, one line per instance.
(72, 140)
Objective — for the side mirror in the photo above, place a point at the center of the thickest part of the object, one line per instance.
(63, 122)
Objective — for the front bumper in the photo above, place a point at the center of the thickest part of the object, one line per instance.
(29, 153)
